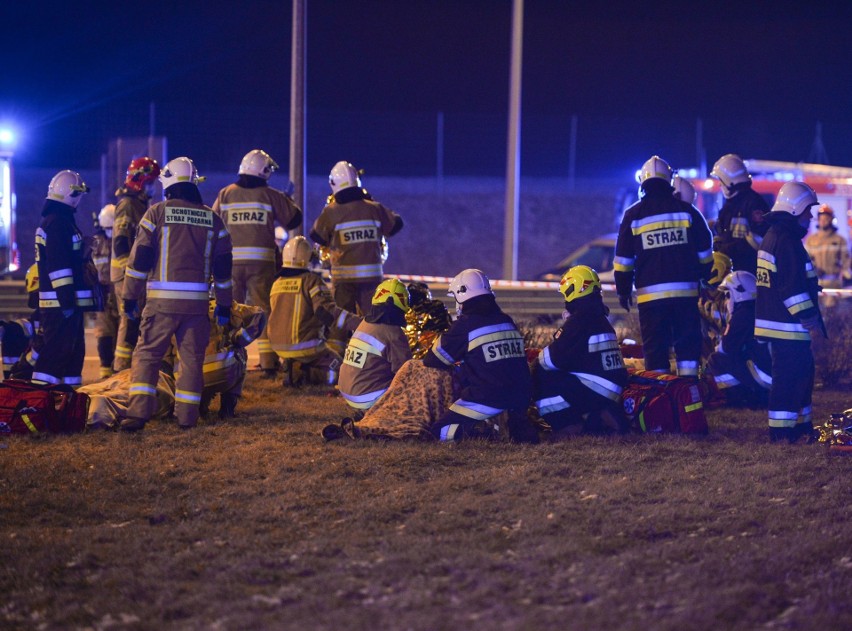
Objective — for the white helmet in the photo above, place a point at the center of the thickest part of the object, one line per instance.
(343, 175)
(258, 163)
(468, 284)
(67, 187)
(297, 253)
(794, 198)
(106, 218)
(683, 189)
(730, 170)
(655, 167)
(178, 171)
(741, 286)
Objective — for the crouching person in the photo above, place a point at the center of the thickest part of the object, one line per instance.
(741, 365)
(225, 358)
(494, 372)
(302, 310)
(377, 348)
(579, 377)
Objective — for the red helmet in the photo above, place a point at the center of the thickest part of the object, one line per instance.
(141, 171)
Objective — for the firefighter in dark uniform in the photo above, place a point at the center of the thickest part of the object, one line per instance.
(740, 227)
(106, 322)
(131, 203)
(250, 209)
(787, 311)
(741, 365)
(181, 243)
(582, 371)
(352, 226)
(664, 248)
(62, 295)
(494, 371)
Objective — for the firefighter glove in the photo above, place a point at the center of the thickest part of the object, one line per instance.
(813, 324)
(626, 301)
(131, 309)
(223, 315)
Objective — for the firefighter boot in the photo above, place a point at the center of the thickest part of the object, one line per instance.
(228, 405)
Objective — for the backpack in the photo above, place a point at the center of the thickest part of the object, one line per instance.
(28, 408)
(661, 403)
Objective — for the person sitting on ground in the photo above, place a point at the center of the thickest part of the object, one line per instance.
(741, 367)
(426, 319)
(578, 378)
(711, 304)
(302, 310)
(494, 372)
(377, 348)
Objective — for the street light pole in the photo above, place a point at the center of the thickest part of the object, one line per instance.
(513, 158)
(297, 110)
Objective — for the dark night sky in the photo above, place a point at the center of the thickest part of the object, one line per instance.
(769, 65)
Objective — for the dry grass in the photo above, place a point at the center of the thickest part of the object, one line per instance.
(257, 524)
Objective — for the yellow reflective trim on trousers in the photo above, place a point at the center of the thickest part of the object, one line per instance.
(693, 407)
(26, 419)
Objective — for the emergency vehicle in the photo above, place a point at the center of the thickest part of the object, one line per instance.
(833, 186)
(9, 256)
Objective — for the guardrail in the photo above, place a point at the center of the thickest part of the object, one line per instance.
(540, 300)
(521, 299)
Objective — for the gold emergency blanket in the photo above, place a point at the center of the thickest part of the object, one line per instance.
(109, 398)
(417, 397)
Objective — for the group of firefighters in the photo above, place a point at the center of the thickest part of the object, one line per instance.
(163, 276)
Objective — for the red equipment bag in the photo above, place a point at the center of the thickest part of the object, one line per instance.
(28, 408)
(660, 402)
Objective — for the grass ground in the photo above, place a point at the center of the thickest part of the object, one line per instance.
(257, 524)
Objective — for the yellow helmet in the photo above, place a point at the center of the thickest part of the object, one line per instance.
(578, 282)
(722, 266)
(32, 278)
(393, 289)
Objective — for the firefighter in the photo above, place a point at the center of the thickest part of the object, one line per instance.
(494, 371)
(225, 357)
(250, 209)
(352, 226)
(683, 189)
(829, 251)
(378, 348)
(132, 200)
(180, 244)
(578, 378)
(741, 366)
(664, 248)
(740, 226)
(62, 294)
(23, 367)
(106, 322)
(302, 310)
(787, 311)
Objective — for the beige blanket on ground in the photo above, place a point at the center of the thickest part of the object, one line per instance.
(417, 397)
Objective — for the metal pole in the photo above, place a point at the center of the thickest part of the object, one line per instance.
(572, 154)
(439, 152)
(297, 111)
(513, 162)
